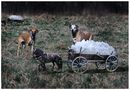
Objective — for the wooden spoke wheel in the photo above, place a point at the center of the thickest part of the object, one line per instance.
(79, 64)
(111, 63)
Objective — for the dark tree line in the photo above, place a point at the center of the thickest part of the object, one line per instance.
(64, 7)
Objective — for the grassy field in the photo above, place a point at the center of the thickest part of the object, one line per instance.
(54, 36)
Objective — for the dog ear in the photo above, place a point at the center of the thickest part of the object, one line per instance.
(29, 30)
(37, 30)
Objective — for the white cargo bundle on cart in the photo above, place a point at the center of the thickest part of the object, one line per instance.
(93, 47)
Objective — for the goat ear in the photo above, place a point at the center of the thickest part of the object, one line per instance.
(77, 26)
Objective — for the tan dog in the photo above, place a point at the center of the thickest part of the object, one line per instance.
(27, 39)
(80, 35)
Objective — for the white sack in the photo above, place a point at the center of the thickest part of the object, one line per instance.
(93, 47)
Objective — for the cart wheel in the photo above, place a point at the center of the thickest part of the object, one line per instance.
(111, 63)
(100, 65)
(79, 64)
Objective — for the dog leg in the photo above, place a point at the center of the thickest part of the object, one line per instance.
(59, 63)
(40, 67)
(31, 49)
(27, 52)
(22, 51)
(53, 65)
(43, 66)
(18, 50)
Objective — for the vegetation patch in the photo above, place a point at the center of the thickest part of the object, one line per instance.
(54, 37)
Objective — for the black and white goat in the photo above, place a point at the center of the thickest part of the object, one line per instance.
(79, 35)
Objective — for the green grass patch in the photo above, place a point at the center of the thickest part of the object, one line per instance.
(54, 37)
